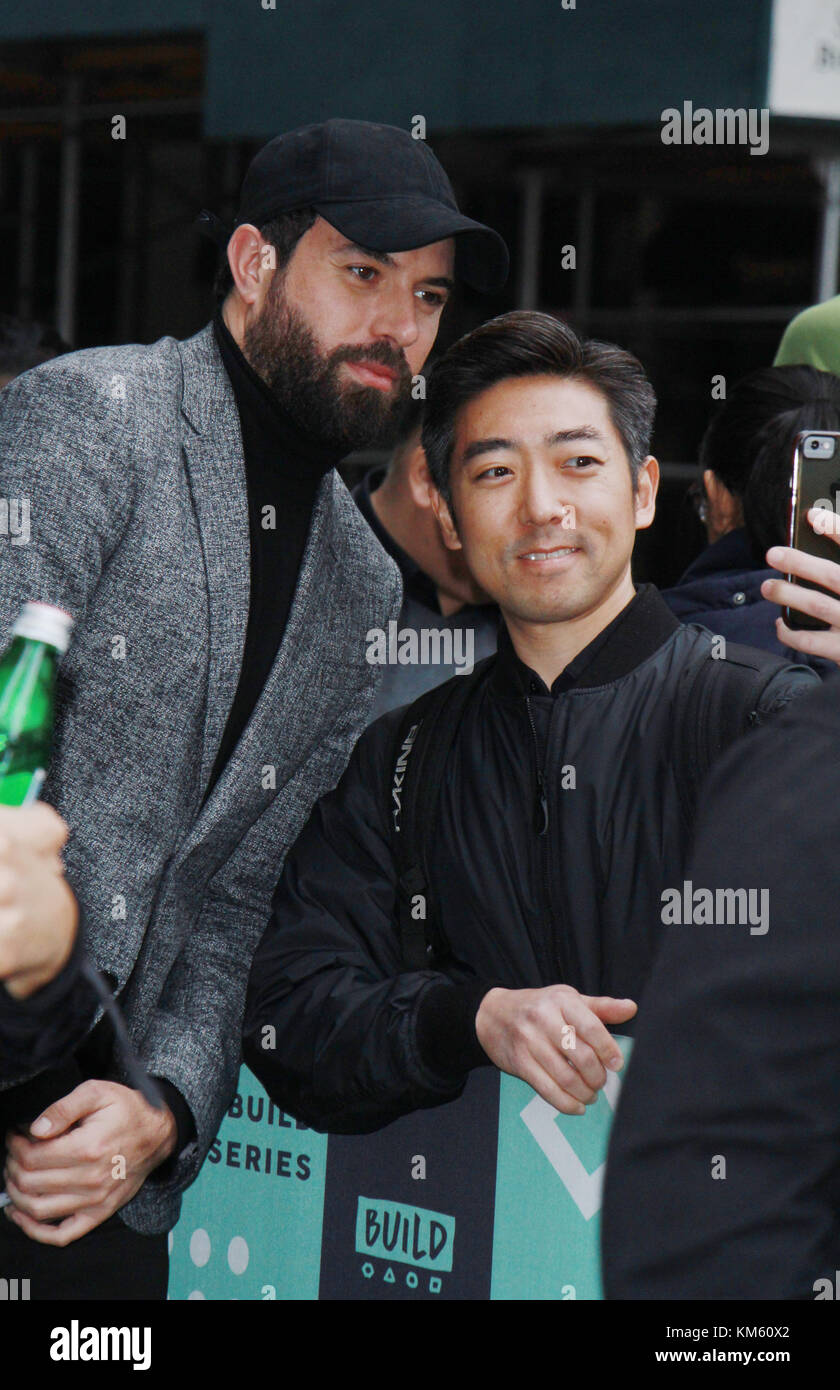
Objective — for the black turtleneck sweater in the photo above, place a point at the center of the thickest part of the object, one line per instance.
(284, 469)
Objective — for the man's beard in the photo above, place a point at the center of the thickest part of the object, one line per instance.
(307, 384)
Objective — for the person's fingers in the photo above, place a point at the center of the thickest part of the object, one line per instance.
(824, 522)
(573, 1049)
(824, 643)
(77, 1149)
(811, 567)
(587, 1064)
(48, 1181)
(37, 828)
(544, 1084)
(50, 1206)
(63, 1234)
(563, 1072)
(589, 1014)
(811, 601)
(58, 1117)
(609, 1009)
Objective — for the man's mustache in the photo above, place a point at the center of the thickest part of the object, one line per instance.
(380, 353)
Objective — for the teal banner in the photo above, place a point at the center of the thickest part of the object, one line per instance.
(494, 1195)
(250, 1225)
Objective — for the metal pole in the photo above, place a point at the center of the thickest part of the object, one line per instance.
(528, 289)
(68, 231)
(129, 245)
(27, 214)
(230, 179)
(826, 277)
(582, 283)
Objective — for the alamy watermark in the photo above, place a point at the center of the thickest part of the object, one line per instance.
(725, 125)
(703, 907)
(425, 646)
(79, 1342)
(13, 1290)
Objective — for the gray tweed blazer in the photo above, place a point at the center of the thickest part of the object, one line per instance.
(130, 460)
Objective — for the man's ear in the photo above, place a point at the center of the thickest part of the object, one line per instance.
(647, 486)
(725, 509)
(419, 477)
(451, 539)
(250, 268)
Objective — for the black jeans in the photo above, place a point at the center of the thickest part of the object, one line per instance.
(111, 1261)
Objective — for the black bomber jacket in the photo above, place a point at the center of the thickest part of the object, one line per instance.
(346, 1039)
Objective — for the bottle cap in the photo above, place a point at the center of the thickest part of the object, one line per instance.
(43, 622)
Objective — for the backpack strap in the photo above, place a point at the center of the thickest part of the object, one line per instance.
(719, 701)
(424, 739)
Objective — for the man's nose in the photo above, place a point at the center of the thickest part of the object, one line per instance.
(541, 503)
(396, 317)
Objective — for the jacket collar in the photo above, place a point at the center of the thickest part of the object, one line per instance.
(630, 638)
(206, 388)
(216, 471)
(731, 553)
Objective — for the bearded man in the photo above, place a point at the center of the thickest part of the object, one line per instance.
(186, 511)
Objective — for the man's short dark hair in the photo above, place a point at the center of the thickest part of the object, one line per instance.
(282, 232)
(526, 343)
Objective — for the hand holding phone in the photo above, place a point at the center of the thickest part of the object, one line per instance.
(809, 593)
(815, 482)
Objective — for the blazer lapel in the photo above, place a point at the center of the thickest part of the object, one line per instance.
(216, 470)
(313, 678)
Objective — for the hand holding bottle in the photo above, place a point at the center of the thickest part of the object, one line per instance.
(38, 912)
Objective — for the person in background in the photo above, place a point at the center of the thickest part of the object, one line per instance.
(723, 1173)
(813, 337)
(24, 344)
(438, 590)
(746, 455)
(44, 1007)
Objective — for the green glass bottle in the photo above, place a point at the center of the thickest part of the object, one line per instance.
(27, 699)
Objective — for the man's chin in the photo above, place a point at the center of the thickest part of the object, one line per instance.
(544, 613)
(369, 419)
(548, 607)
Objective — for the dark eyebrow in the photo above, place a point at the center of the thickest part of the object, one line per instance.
(570, 436)
(385, 258)
(488, 446)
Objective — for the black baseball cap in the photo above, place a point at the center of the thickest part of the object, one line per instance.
(375, 184)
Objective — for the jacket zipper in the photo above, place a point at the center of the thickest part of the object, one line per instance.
(541, 823)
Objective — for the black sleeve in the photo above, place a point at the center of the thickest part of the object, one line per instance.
(36, 1033)
(181, 1113)
(723, 1175)
(331, 1020)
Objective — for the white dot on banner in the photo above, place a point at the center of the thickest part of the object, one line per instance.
(199, 1247)
(196, 1293)
(238, 1255)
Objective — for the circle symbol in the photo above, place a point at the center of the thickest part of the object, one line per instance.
(199, 1247)
(238, 1255)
